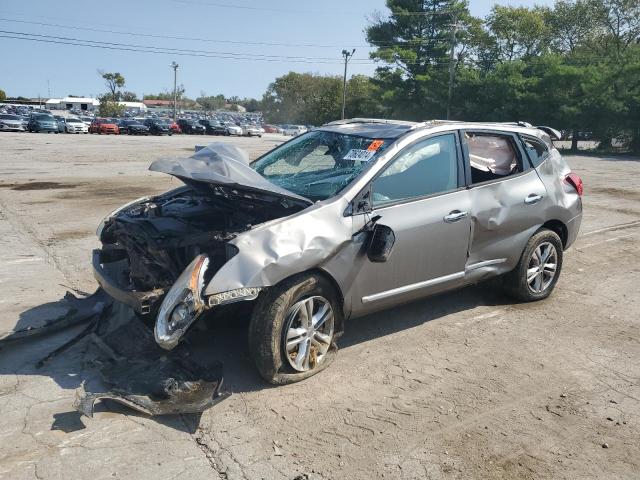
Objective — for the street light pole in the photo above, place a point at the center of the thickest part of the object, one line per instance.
(346, 54)
(454, 30)
(174, 65)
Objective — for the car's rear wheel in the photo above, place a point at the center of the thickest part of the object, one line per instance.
(291, 334)
(538, 270)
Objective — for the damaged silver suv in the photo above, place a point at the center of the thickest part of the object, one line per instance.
(353, 217)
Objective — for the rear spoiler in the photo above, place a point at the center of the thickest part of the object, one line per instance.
(553, 133)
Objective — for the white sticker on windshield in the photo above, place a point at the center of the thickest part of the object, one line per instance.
(359, 155)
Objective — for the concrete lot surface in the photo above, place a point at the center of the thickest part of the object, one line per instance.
(463, 385)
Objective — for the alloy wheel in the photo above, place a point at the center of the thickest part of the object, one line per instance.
(308, 333)
(542, 268)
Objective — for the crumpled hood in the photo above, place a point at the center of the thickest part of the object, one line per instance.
(222, 164)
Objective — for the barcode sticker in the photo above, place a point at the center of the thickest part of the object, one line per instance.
(359, 155)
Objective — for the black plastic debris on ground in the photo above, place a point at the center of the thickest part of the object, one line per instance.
(134, 371)
(141, 375)
(77, 310)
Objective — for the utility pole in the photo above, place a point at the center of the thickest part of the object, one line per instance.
(174, 65)
(454, 30)
(346, 54)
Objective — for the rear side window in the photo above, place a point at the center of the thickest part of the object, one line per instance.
(425, 168)
(491, 156)
(536, 149)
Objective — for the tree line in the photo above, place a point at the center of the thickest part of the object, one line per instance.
(575, 66)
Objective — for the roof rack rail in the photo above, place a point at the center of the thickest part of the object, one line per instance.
(520, 123)
(348, 121)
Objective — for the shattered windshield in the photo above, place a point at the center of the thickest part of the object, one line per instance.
(317, 165)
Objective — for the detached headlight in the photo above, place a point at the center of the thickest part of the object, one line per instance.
(237, 295)
(182, 305)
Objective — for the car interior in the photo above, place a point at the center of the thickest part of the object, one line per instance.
(491, 156)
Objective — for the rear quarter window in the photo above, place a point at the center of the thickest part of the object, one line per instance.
(536, 149)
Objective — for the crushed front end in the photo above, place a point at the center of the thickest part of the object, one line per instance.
(158, 254)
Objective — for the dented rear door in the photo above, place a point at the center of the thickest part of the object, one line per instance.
(505, 213)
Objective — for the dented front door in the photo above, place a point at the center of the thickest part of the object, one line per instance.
(421, 198)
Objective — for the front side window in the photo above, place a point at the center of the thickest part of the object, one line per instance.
(536, 149)
(491, 156)
(425, 168)
(319, 164)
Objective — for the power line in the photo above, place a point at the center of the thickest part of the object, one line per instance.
(122, 48)
(169, 49)
(169, 37)
(174, 51)
(295, 11)
(209, 40)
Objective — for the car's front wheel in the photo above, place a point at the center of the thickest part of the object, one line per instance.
(291, 334)
(538, 270)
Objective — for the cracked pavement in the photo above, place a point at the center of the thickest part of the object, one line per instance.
(462, 385)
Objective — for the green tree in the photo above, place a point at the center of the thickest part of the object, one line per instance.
(364, 98)
(414, 42)
(3, 95)
(211, 103)
(109, 108)
(251, 104)
(303, 98)
(519, 32)
(113, 81)
(129, 97)
(572, 24)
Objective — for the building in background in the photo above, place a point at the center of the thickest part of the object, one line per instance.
(134, 107)
(87, 104)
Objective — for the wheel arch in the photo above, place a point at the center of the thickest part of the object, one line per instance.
(339, 326)
(559, 228)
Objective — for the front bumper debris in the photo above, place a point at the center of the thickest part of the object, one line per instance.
(120, 360)
(137, 373)
(107, 268)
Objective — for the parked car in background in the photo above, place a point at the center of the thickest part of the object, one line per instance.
(157, 127)
(251, 131)
(233, 129)
(11, 123)
(61, 125)
(86, 120)
(212, 127)
(132, 127)
(293, 130)
(42, 122)
(272, 129)
(191, 127)
(104, 126)
(75, 125)
(175, 128)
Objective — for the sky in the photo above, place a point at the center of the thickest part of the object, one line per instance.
(233, 47)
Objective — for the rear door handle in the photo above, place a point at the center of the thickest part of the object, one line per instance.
(532, 199)
(455, 215)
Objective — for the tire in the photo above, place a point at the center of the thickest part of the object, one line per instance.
(271, 315)
(516, 282)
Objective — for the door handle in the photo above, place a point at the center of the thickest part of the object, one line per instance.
(455, 215)
(532, 199)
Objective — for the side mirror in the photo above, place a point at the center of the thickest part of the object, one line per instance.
(381, 244)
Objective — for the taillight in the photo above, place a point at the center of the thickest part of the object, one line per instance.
(575, 181)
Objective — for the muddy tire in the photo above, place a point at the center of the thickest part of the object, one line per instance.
(276, 315)
(538, 270)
